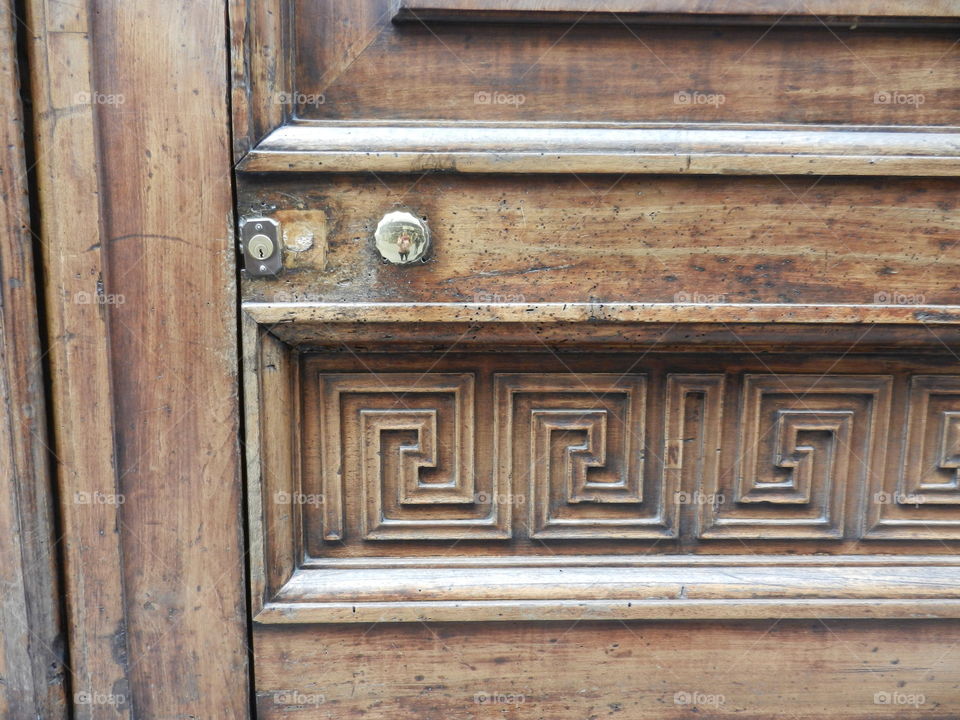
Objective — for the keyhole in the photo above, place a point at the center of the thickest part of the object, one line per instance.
(260, 252)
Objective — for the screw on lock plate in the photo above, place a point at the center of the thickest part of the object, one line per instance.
(260, 240)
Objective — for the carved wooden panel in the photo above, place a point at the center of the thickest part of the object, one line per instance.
(484, 448)
(693, 437)
(577, 444)
(403, 445)
(922, 500)
(807, 444)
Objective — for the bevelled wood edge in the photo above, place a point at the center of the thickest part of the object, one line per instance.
(146, 422)
(74, 256)
(259, 69)
(680, 591)
(896, 13)
(539, 610)
(251, 345)
(635, 561)
(32, 648)
(762, 150)
(612, 313)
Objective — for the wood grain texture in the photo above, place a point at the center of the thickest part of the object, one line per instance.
(642, 590)
(260, 89)
(601, 336)
(346, 313)
(567, 238)
(805, 442)
(845, 12)
(579, 72)
(139, 272)
(634, 304)
(690, 150)
(774, 449)
(78, 326)
(166, 162)
(916, 503)
(759, 461)
(803, 670)
(32, 672)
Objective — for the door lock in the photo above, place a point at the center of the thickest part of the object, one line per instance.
(260, 241)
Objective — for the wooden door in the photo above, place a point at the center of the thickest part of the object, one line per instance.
(664, 422)
(585, 359)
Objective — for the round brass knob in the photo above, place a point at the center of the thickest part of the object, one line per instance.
(402, 238)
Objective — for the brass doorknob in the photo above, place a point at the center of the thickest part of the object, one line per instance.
(402, 238)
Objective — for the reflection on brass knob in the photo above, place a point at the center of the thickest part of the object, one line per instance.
(402, 238)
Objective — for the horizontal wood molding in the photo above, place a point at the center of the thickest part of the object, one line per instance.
(896, 12)
(760, 150)
(616, 313)
(835, 588)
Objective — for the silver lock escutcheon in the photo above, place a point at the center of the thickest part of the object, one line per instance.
(260, 241)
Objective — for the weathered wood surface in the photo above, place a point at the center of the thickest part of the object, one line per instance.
(763, 669)
(350, 62)
(707, 425)
(75, 265)
(623, 208)
(636, 239)
(687, 151)
(169, 228)
(259, 84)
(134, 171)
(836, 12)
(359, 313)
(32, 647)
(588, 590)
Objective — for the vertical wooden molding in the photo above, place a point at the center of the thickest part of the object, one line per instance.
(74, 259)
(261, 89)
(162, 73)
(135, 178)
(31, 642)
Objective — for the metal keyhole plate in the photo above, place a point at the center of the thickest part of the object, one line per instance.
(260, 240)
